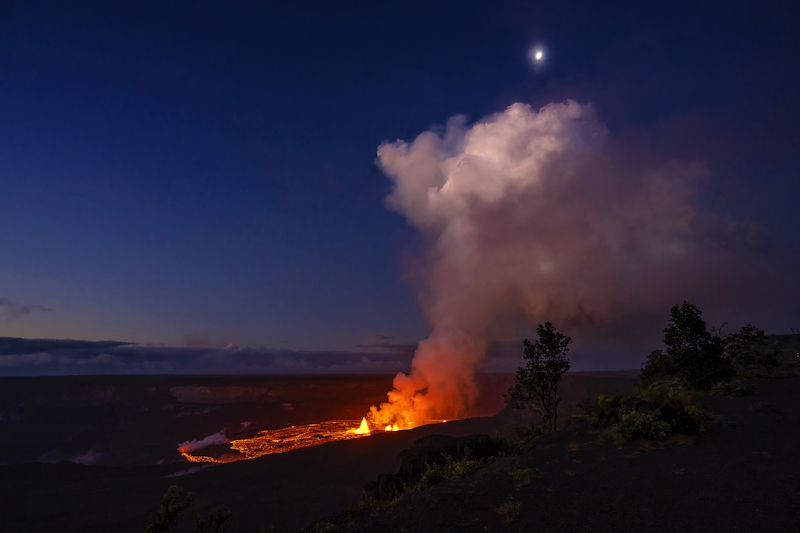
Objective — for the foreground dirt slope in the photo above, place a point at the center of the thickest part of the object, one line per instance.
(743, 475)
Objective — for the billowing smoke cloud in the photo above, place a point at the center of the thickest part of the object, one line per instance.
(528, 216)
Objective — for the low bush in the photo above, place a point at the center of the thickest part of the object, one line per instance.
(509, 511)
(514, 444)
(435, 474)
(662, 408)
(605, 412)
(638, 425)
(524, 477)
(466, 467)
(525, 434)
(172, 508)
(660, 391)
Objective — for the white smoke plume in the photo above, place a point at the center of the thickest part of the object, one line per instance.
(198, 444)
(528, 217)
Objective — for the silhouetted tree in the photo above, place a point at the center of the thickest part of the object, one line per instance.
(536, 385)
(658, 365)
(170, 510)
(696, 355)
(750, 347)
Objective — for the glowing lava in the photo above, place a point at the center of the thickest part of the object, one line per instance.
(363, 429)
(284, 440)
(292, 438)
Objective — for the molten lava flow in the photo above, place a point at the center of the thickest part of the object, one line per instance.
(292, 438)
(283, 440)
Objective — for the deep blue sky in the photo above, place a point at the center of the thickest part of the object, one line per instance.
(199, 173)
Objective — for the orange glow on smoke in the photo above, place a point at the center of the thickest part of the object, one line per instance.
(440, 386)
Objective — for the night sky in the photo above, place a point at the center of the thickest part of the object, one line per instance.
(196, 174)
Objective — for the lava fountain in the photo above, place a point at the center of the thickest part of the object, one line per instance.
(363, 429)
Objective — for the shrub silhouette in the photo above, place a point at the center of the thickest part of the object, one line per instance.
(697, 355)
(653, 413)
(214, 522)
(733, 388)
(509, 511)
(658, 366)
(693, 354)
(170, 510)
(635, 425)
(749, 348)
(605, 413)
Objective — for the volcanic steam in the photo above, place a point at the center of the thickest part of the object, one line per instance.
(527, 216)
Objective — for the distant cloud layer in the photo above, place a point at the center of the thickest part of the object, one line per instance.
(12, 310)
(71, 357)
(41, 357)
